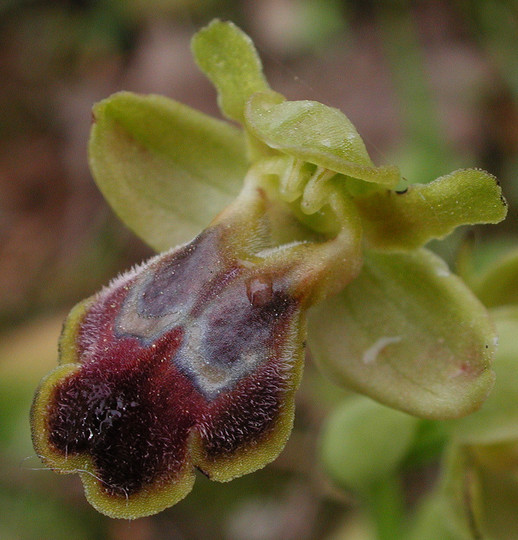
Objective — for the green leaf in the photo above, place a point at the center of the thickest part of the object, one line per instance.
(408, 220)
(316, 133)
(229, 59)
(476, 257)
(164, 168)
(364, 442)
(409, 334)
(497, 420)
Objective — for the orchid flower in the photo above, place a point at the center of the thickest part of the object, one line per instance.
(191, 360)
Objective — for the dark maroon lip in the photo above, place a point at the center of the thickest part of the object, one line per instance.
(214, 357)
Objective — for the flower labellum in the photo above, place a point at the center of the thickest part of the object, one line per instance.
(191, 360)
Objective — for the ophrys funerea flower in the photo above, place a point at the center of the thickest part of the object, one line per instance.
(192, 359)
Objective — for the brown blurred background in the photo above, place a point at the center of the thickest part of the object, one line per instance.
(431, 86)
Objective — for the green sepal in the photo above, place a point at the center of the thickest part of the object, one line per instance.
(403, 221)
(164, 168)
(313, 132)
(364, 443)
(229, 59)
(409, 334)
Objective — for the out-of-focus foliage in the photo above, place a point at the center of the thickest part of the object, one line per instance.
(451, 64)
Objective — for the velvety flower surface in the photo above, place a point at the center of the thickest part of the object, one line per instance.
(192, 359)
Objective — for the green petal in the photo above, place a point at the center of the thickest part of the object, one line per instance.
(364, 442)
(497, 421)
(425, 211)
(165, 168)
(313, 132)
(229, 59)
(409, 334)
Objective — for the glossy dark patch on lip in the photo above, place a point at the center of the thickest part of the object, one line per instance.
(131, 415)
(187, 345)
(249, 412)
(180, 278)
(232, 338)
(236, 326)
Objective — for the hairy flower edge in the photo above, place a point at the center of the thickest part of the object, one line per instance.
(147, 392)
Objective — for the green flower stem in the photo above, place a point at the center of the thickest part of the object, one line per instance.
(385, 503)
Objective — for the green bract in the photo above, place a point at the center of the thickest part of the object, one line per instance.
(405, 332)
(497, 421)
(496, 283)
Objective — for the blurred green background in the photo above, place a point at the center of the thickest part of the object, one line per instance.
(431, 86)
